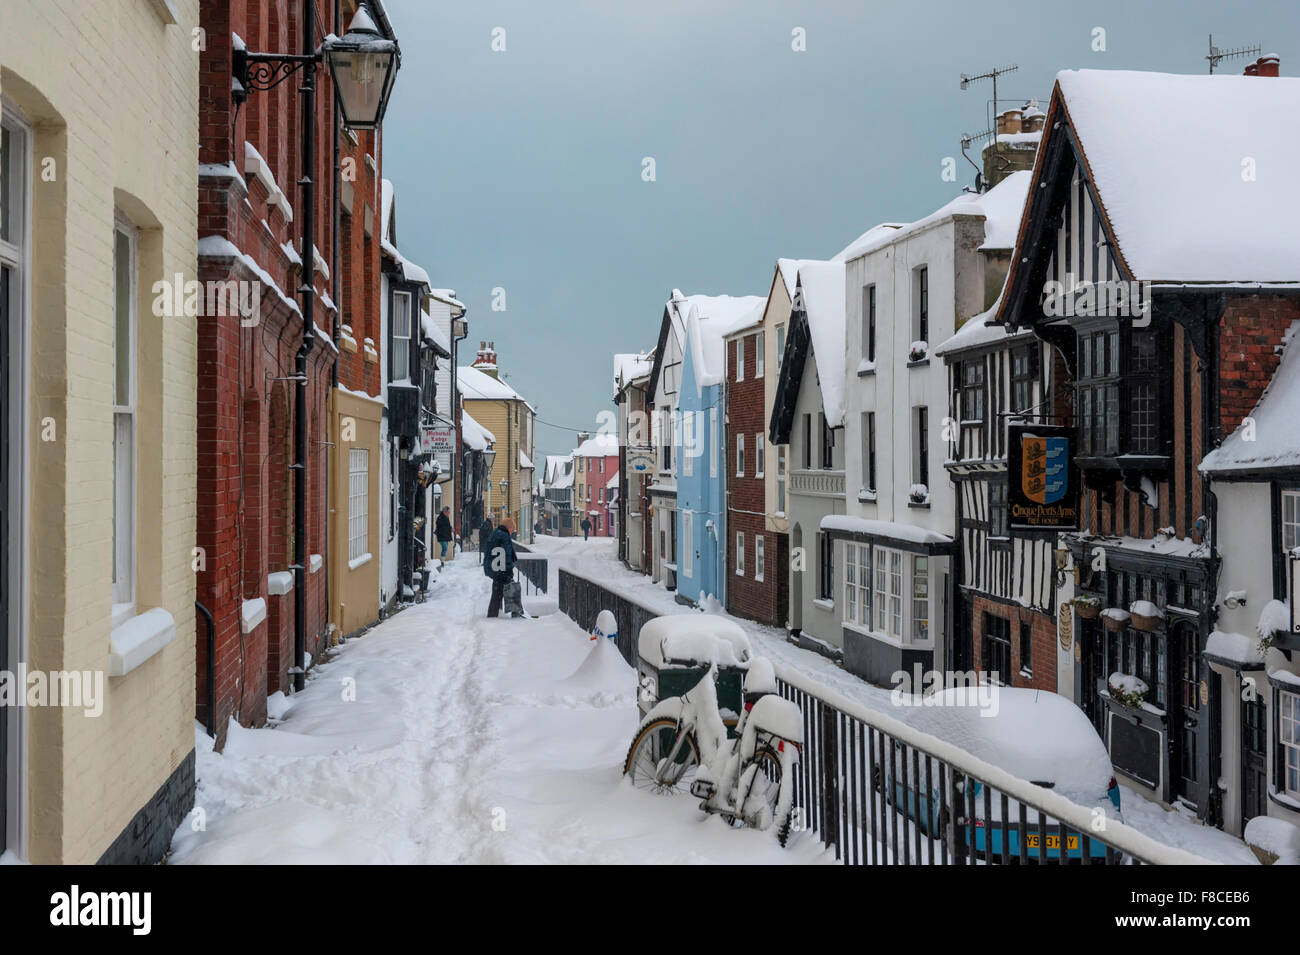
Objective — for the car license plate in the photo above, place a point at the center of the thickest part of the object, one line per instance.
(1053, 842)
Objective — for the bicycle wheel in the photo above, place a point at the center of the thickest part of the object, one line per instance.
(649, 752)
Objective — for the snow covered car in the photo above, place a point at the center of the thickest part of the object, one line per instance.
(1038, 736)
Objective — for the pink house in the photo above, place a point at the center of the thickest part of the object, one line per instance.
(595, 484)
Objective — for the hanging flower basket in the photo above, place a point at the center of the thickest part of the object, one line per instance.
(1146, 615)
(1088, 606)
(1115, 619)
(1127, 691)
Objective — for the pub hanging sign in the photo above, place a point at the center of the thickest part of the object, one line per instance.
(1043, 481)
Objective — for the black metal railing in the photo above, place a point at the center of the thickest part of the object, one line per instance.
(879, 792)
(531, 570)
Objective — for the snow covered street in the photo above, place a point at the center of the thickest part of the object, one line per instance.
(443, 737)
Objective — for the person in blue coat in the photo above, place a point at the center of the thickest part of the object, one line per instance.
(499, 563)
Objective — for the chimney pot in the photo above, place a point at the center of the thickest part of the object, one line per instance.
(1252, 69)
(1267, 65)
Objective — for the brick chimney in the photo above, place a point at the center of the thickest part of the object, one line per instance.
(1005, 156)
(1266, 65)
(486, 359)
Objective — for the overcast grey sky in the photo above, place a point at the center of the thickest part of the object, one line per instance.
(522, 169)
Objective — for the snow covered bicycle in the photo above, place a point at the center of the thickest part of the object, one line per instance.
(683, 743)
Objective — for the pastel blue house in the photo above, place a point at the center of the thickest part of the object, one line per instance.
(700, 442)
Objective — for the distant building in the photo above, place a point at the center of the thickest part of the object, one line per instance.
(508, 415)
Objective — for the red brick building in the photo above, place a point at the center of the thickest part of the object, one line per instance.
(250, 234)
(596, 484)
(758, 586)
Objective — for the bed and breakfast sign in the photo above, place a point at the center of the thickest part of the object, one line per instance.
(1042, 479)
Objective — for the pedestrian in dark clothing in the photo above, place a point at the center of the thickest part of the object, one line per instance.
(586, 528)
(443, 532)
(484, 532)
(499, 564)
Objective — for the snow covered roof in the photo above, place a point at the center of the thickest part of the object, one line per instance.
(476, 385)
(599, 446)
(981, 329)
(1195, 215)
(631, 366)
(1235, 648)
(1273, 440)
(429, 328)
(708, 320)
(822, 284)
(868, 239)
(448, 295)
(556, 464)
(1001, 208)
(474, 434)
(890, 529)
(525, 462)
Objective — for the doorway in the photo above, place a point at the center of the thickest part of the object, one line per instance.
(1254, 763)
(1188, 717)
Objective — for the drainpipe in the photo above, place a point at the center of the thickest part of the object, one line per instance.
(308, 291)
(338, 317)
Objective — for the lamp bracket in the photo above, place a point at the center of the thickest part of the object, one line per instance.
(266, 71)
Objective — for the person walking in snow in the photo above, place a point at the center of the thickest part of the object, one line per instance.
(499, 564)
(484, 532)
(586, 528)
(442, 531)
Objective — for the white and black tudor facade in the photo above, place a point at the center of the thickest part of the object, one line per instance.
(1165, 308)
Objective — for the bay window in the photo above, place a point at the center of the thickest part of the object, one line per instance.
(1288, 735)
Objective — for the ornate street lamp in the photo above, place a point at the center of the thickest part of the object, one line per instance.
(363, 64)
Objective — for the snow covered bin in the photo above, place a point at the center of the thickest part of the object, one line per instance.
(675, 652)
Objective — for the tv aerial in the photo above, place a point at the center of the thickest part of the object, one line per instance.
(1215, 54)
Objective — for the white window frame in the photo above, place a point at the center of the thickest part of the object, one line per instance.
(758, 455)
(740, 553)
(1289, 498)
(688, 544)
(852, 589)
(780, 347)
(758, 355)
(886, 598)
(358, 503)
(781, 479)
(740, 358)
(124, 431)
(713, 442)
(760, 557)
(398, 338)
(919, 601)
(740, 455)
(1288, 737)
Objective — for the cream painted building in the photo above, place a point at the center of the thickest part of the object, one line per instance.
(498, 407)
(100, 178)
